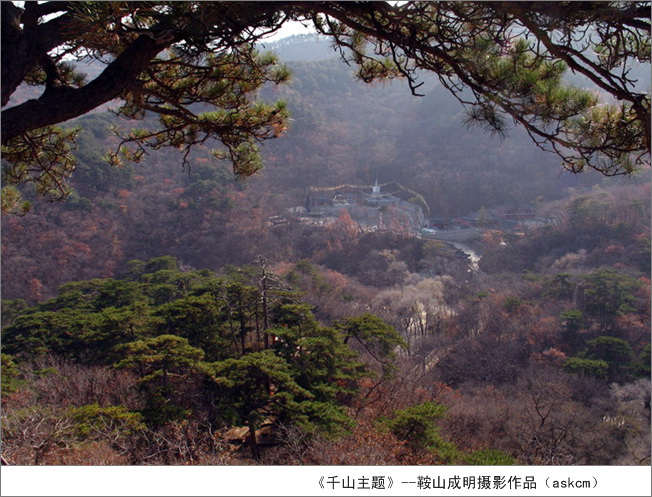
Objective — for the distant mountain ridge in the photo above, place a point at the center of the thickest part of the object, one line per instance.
(305, 47)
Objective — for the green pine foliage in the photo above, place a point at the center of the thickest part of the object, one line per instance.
(605, 357)
(489, 457)
(94, 421)
(588, 367)
(9, 375)
(416, 426)
(176, 330)
(379, 340)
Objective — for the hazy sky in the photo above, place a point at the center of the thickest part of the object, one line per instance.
(292, 28)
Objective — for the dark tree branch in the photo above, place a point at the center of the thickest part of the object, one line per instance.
(34, 11)
(60, 106)
(470, 46)
(26, 49)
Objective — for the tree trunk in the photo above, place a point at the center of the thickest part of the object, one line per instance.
(253, 443)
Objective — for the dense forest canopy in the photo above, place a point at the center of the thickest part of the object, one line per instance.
(196, 67)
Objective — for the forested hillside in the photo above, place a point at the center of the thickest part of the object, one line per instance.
(166, 314)
(342, 132)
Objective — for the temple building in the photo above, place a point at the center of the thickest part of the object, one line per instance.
(383, 207)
